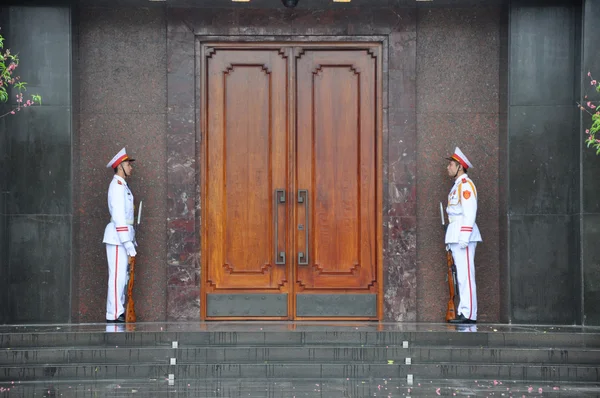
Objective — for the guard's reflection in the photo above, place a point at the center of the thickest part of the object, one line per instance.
(466, 328)
(115, 327)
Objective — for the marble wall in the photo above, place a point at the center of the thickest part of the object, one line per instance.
(458, 104)
(122, 91)
(137, 89)
(127, 76)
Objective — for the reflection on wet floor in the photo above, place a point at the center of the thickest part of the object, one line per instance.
(296, 388)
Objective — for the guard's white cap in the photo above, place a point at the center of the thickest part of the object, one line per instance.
(461, 158)
(118, 159)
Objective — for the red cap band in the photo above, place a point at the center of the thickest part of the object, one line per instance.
(459, 160)
(119, 160)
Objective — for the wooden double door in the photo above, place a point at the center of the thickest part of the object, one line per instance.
(291, 181)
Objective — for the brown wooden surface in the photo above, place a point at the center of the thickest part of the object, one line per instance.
(246, 144)
(336, 163)
(292, 118)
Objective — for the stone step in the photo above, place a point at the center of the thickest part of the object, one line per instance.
(304, 354)
(308, 388)
(134, 338)
(421, 372)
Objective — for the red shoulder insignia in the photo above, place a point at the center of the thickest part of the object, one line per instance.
(464, 180)
(119, 182)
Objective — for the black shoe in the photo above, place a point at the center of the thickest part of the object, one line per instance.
(120, 319)
(461, 319)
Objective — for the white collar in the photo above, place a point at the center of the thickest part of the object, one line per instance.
(118, 177)
(460, 178)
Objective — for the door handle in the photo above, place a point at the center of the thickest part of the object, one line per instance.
(277, 199)
(303, 198)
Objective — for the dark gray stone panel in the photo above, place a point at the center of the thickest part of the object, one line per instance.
(544, 269)
(332, 305)
(591, 269)
(247, 305)
(41, 37)
(39, 171)
(543, 55)
(543, 157)
(39, 268)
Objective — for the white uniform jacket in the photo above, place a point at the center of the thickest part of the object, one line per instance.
(120, 205)
(462, 209)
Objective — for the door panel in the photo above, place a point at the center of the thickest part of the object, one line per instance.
(336, 162)
(290, 182)
(246, 148)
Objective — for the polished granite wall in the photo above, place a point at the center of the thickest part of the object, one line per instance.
(397, 28)
(445, 84)
(122, 103)
(137, 76)
(36, 207)
(458, 104)
(436, 59)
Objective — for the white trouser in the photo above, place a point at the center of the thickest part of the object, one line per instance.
(464, 259)
(117, 280)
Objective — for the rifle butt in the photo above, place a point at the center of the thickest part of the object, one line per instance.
(450, 311)
(130, 308)
(130, 311)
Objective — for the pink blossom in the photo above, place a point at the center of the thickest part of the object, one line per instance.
(12, 112)
(589, 73)
(587, 131)
(593, 82)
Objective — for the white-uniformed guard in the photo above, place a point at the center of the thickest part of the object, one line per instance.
(463, 234)
(119, 236)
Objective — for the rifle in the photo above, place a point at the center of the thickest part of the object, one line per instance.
(129, 309)
(451, 307)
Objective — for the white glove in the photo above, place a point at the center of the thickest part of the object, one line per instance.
(130, 249)
(463, 244)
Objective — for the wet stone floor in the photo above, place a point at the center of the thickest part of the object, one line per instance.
(272, 388)
(294, 386)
